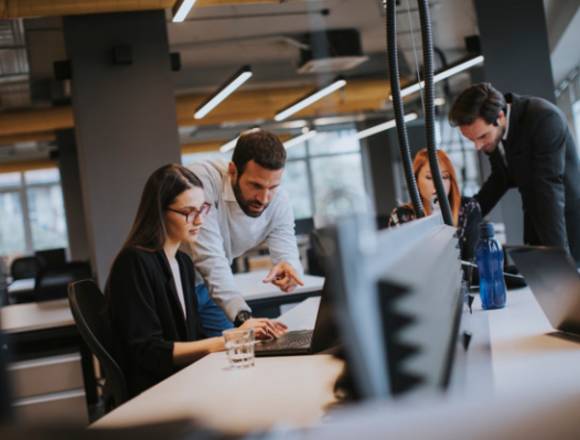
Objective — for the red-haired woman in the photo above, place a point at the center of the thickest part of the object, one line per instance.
(465, 211)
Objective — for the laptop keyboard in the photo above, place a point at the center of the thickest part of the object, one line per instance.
(290, 340)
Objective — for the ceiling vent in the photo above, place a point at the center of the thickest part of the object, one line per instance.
(331, 51)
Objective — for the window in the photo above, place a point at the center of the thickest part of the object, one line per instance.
(327, 175)
(323, 176)
(12, 239)
(32, 213)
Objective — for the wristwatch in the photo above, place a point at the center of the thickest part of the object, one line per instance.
(242, 317)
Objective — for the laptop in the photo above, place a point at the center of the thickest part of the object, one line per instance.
(301, 342)
(555, 282)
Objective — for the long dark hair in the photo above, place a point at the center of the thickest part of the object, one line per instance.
(149, 231)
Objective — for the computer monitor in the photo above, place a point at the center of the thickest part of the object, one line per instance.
(398, 303)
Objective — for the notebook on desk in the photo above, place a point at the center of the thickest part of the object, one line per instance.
(555, 283)
(300, 342)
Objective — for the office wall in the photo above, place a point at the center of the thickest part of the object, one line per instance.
(125, 121)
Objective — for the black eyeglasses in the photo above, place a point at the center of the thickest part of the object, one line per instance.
(193, 213)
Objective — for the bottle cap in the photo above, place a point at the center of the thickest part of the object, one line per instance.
(486, 230)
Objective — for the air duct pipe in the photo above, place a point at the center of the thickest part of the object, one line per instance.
(429, 108)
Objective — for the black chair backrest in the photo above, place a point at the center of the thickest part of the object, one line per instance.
(53, 283)
(87, 304)
(51, 258)
(304, 226)
(24, 267)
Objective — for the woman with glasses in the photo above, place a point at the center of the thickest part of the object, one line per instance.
(151, 287)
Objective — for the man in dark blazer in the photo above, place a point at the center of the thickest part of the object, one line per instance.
(530, 148)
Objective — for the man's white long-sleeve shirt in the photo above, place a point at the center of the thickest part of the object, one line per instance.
(227, 232)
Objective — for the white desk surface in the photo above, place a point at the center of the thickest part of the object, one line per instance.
(524, 355)
(252, 287)
(20, 285)
(535, 389)
(271, 393)
(36, 316)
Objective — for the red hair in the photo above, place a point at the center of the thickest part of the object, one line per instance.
(422, 159)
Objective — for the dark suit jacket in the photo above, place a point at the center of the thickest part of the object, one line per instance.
(542, 163)
(146, 315)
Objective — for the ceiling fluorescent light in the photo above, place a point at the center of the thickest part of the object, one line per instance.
(454, 70)
(299, 139)
(229, 145)
(239, 78)
(384, 126)
(302, 103)
(181, 10)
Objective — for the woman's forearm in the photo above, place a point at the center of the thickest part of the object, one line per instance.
(185, 353)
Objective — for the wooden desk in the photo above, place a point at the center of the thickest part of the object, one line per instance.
(525, 355)
(535, 388)
(534, 392)
(267, 300)
(38, 336)
(19, 318)
(252, 287)
(278, 390)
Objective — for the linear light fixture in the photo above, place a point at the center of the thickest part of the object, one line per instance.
(239, 78)
(444, 74)
(181, 10)
(310, 99)
(300, 139)
(384, 126)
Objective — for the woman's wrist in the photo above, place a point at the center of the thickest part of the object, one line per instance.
(217, 344)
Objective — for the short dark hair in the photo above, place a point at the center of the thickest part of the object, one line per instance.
(149, 231)
(262, 147)
(478, 101)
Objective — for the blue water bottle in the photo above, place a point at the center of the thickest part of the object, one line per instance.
(489, 257)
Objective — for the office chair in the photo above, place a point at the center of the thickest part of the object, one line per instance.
(87, 304)
(52, 283)
(51, 258)
(23, 267)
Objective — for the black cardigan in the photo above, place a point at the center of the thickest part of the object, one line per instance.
(542, 163)
(146, 315)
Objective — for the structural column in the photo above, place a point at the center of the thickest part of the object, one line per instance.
(125, 119)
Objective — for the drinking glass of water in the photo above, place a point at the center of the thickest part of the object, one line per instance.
(239, 343)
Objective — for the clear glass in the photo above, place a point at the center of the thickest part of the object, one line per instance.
(239, 344)
(12, 240)
(42, 176)
(339, 185)
(295, 181)
(47, 217)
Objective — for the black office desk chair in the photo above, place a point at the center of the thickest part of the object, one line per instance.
(87, 304)
(23, 267)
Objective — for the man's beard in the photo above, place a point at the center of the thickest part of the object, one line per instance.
(497, 141)
(245, 204)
